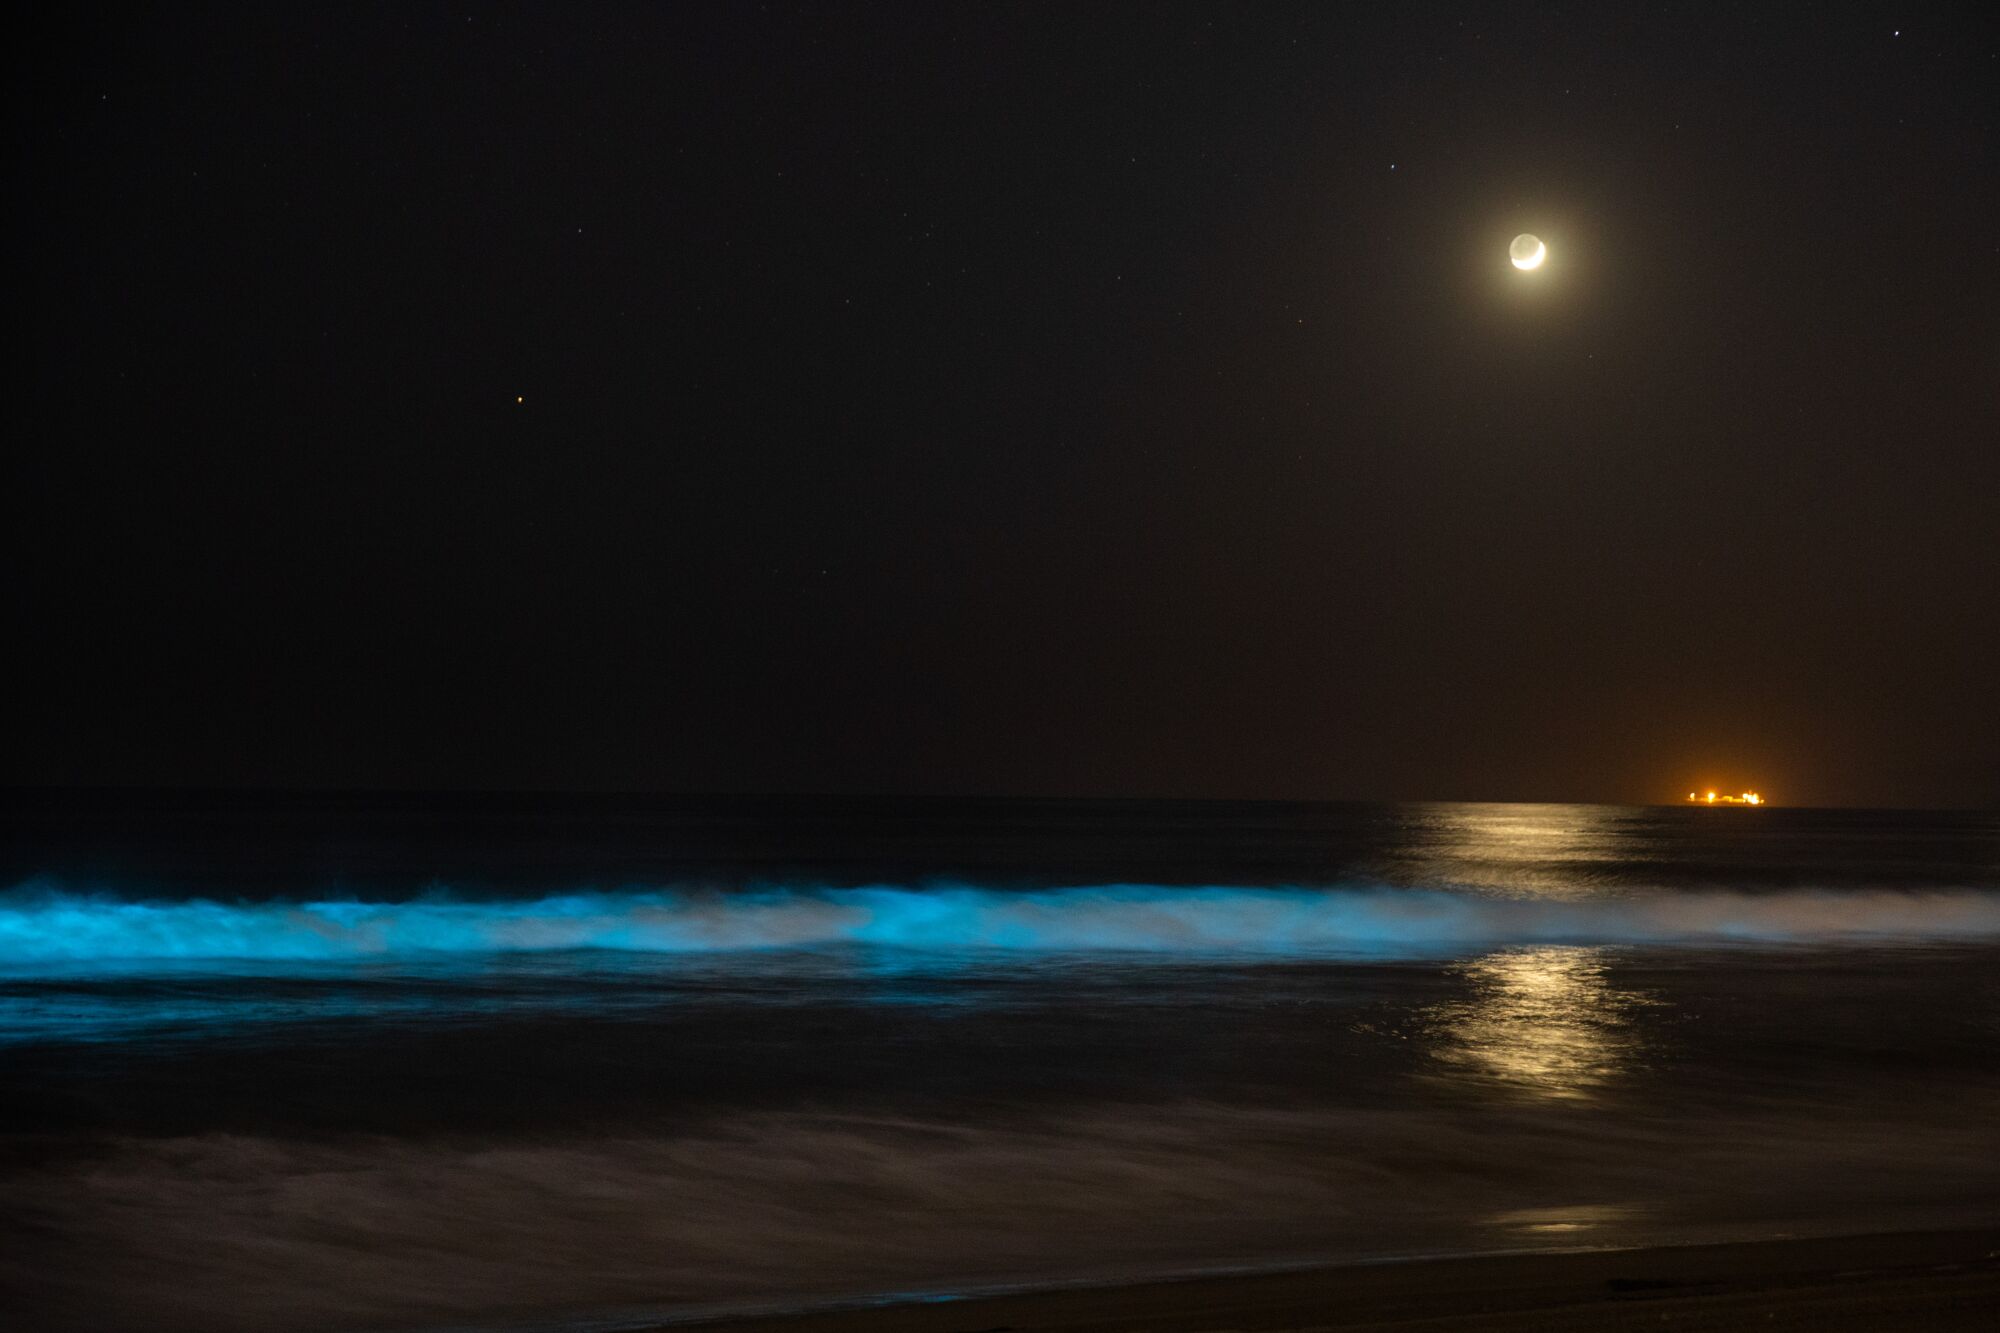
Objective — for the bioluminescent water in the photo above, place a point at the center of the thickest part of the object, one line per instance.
(354, 1065)
(39, 926)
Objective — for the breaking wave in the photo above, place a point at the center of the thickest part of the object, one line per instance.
(39, 924)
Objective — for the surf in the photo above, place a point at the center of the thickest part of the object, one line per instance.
(40, 924)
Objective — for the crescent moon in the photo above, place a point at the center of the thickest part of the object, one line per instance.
(1531, 260)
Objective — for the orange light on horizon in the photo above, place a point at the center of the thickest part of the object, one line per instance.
(1716, 798)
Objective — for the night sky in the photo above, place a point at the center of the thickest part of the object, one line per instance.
(1066, 400)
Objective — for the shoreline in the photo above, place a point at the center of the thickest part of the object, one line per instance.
(1935, 1280)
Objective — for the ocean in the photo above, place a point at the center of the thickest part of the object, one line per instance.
(514, 1062)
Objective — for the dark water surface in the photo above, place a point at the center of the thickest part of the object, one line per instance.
(393, 1063)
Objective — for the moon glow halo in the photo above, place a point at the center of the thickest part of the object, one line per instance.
(1527, 251)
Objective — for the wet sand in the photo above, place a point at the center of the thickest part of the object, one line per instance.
(1939, 1281)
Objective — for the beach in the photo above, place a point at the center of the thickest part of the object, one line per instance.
(1937, 1281)
(612, 1065)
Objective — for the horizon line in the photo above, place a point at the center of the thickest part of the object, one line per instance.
(14, 791)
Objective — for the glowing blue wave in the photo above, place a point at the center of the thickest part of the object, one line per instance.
(51, 926)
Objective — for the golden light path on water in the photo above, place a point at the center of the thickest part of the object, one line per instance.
(1543, 1023)
(1544, 1027)
(1540, 851)
(1541, 1026)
